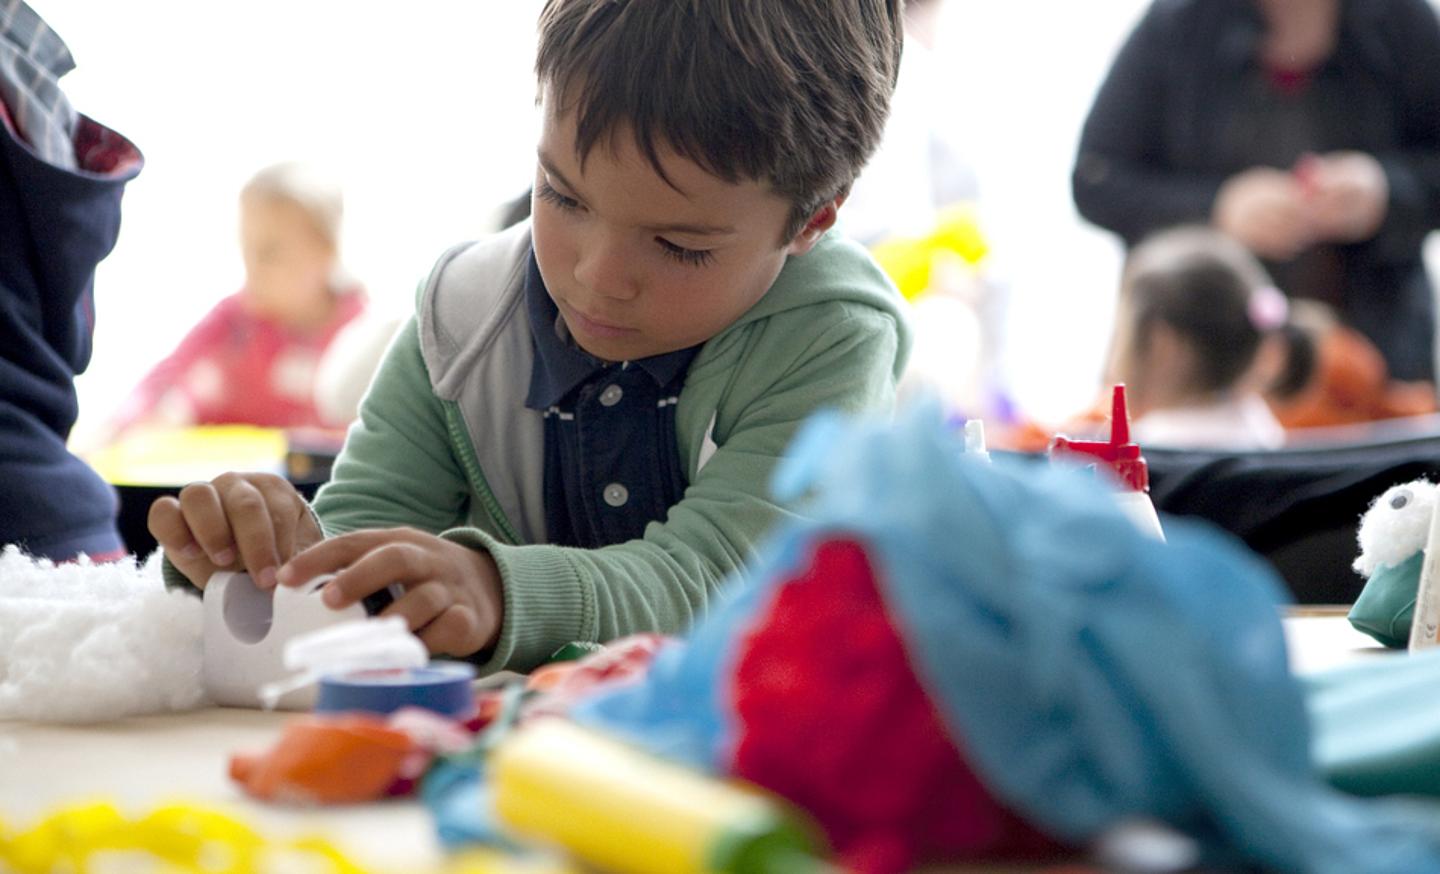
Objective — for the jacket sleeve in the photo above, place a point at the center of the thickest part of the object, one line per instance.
(662, 581)
(1119, 181)
(397, 467)
(1412, 167)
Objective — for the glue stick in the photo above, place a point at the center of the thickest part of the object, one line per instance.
(623, 810)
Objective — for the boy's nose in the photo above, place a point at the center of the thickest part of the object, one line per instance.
(605, 271)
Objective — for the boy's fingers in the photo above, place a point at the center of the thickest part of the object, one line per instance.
(254, 531)
(380, 562)
(330, 556)
(421, 605)
(205, 515)
(454, 632)
(167, 525)
(290, 515)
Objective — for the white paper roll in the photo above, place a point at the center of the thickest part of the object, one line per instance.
(246, 629)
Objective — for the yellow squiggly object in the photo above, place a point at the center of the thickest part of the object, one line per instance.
(910, 261)
(183, 837)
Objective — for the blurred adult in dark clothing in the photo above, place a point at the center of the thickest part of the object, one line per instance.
(1309, 130)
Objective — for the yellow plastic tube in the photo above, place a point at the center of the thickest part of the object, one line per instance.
(623, 810)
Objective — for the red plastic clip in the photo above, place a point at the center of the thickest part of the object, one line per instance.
(1119, 454)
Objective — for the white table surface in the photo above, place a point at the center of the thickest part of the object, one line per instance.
(143, 762)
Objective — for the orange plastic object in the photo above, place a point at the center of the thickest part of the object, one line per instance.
(547, 677)
(334, 760)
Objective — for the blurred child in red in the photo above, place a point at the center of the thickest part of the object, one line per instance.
(252, 359)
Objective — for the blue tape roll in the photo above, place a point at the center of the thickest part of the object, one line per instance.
(444, 687)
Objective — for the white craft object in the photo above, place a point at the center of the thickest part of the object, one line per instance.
(1425, 628)
(246, 629)
(366, 645)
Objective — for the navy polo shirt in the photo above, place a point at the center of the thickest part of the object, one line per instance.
(612, 464)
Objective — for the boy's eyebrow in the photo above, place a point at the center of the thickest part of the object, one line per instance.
(553, 171)
(676, 228)
(692, 230)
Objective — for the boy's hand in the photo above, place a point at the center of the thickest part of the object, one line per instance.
(239, 521)
(452, 601)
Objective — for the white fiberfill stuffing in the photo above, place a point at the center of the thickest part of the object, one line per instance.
(85, 642)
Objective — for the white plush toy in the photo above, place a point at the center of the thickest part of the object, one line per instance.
(1393, 534)
(1395, 526)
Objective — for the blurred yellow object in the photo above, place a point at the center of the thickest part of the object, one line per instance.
(910, 261)
(499, 862)
(623, 810)
(175, 456)
(182, 837)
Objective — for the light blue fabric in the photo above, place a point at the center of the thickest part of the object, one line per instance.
(459, 801)
(680, 710)
(1090, 673)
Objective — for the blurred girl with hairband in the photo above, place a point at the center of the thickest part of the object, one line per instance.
(1202, 339)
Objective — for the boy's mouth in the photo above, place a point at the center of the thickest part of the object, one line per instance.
(583, 324)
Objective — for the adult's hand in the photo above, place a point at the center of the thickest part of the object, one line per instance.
(1348, 195)
(1265, 210)
(239, 521)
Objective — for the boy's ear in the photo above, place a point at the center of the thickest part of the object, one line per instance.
(820, 221)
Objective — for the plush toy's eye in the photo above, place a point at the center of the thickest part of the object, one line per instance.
(1400, 499)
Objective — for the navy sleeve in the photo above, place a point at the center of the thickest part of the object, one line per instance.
(55, 227)
(1120, 181)
(1412, 166)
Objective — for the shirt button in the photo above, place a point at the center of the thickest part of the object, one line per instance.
(611, 396)
(616, 495)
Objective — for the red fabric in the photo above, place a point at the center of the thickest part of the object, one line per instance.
(832, 717)
(554, 689)
(235, 367)
(1289, 82)
(98, 149)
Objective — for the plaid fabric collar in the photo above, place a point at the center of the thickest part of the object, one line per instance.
(32, 60)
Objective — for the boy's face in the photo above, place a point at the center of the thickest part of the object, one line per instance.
(638, 267)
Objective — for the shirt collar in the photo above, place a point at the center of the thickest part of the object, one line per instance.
(561, 365)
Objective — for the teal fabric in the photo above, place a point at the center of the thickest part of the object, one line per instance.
(1377, 725)
(1386, 605)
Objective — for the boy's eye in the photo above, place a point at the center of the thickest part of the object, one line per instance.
(693, 257)
(552, 196)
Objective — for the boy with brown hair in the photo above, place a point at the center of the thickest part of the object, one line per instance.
(572, 439)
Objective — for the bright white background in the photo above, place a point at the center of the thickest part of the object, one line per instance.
(425, 110)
